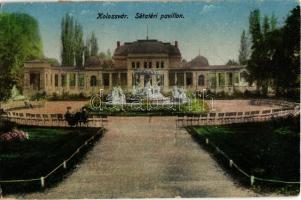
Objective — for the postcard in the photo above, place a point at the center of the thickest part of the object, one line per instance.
(149, 99)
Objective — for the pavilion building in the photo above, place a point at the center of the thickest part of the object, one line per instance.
(134, 63)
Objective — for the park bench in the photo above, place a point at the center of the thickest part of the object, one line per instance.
(53, 118)
(39, 119)
(45, 118)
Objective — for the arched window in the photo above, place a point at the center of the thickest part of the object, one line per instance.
(243, 76)
(93, 81)
(201, 80)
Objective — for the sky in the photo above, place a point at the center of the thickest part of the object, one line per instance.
(209, 28)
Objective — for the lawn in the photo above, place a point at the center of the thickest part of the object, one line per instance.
(42, 152)
(144, 109)
(268, 150)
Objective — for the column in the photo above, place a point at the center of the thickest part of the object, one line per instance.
(67, 81)
(166, 79)
(176, 81)
(184, 79)
(194, 80)
(217, 79)
(76, 80)
(129, 77)
(110, 80)
(142, 80)
(100, 82)
(119, 80)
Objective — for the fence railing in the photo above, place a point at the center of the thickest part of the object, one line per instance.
(15, 105)
(232, 164)
(57, 120)
(42, 179)
(218, 118)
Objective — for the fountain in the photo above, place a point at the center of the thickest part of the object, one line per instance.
(152, 92)
(179, 95)
(16, 95)
(116, 96)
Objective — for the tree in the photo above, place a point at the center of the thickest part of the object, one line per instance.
(275, 58)
(232, 62)
(244, 49)
(67, 39)
(19, 42)
(257, 63)
(78, 45)
(87, 49)
(273, 22)
(94, 45)
(109, 54)
(284, 43)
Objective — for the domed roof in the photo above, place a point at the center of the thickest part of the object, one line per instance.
(147, 47)
(93, 61)
(198, 61)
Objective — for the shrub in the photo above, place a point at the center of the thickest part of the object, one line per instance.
(6, 126)
(39, 96)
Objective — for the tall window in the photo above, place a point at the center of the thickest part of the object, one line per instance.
(123, 79)
(230, 79)
(171, 78)
(149, 64)
(221, 79)
(180, 79)
(145, 65)
(56, 80)
(115, 79)
(133, 65)
(137, 64)
(162, 64)
(93, 81)
(157, 64)
(201, 80)
(63, 80)
(188, 79)
(236, 78)
(243, 76)
(212, 78)
(106, 79)
(72, 78)
(81, 80)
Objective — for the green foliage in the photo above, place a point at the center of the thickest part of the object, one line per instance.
(68, 40)
(6, 126)
(75, 52)
(244, 49)
(94, 45)
(36, 157)
(67, 96)
(261, 148)
(144, 108)
(275, 58)
(232, 62)
(39, 96)
(87, 49)
(52, 61)
(19, 42)
(79, 45)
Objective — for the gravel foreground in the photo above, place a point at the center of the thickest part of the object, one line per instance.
(145, 157)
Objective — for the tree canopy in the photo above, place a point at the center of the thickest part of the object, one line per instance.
(275, 56)
(75, 51)
(20, 41)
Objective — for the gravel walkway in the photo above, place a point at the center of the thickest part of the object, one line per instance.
(145, 157)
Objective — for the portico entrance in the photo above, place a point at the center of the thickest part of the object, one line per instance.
(142, 77)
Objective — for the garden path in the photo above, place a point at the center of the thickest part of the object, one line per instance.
(145, 157)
